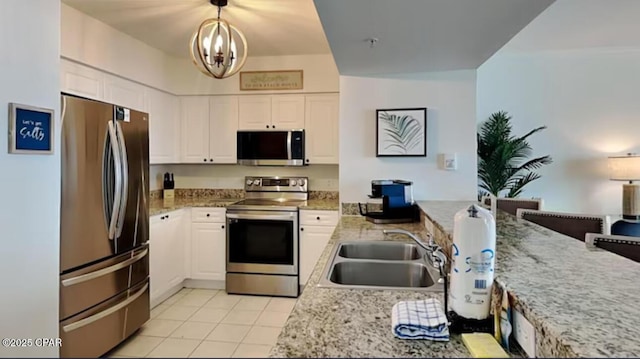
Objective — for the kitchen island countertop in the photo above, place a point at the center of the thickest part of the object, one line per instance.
(329, 322)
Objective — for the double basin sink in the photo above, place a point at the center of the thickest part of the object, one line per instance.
(379, 265)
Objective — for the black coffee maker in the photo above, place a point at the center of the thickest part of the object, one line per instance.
(397, 202)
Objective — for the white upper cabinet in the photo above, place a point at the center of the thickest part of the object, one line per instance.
(254, 112)
(164, 127)
(321, 129)
(125, 93)
(194, 113)
(223, 124)
(287, 112)
(81, 80)
(262, 112)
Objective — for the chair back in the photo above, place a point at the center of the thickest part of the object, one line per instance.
(626, 246)
(571, 224)
(511, 205)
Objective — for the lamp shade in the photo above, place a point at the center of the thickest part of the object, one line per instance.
(624, 168)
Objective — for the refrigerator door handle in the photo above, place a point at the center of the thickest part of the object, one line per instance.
(125, 179)
(104, 271)
(118, 181)
(86, 321)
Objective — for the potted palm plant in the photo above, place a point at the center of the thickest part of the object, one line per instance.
(503, 164)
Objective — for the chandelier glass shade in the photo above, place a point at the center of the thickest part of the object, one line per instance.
(218, 49)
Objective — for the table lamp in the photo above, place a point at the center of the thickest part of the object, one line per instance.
(627, 168)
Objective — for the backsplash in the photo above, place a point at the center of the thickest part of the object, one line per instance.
(225, 193)
(321, 177)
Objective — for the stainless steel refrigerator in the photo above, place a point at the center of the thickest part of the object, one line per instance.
(104, 233)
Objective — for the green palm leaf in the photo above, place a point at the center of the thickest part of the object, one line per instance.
(404, 133)
(501, 155)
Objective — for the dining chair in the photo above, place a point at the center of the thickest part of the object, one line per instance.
(574, 225)
(511, 205)
(626, 246)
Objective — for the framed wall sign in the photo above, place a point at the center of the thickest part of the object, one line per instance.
(401, 132)
(31, 129)
(271, 80)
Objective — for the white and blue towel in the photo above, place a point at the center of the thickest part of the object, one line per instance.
(420, 319)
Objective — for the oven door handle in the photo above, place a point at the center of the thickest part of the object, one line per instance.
(285, 217)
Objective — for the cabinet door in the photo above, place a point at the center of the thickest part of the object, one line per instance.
(313, 239)
(124, 93)
(174, 255)
(254, 112)
(158, 243)
(208, 259)
(321, 129)
(223, 124)
(287, 112)
(194, 113)
(164, 127)
(81, 80)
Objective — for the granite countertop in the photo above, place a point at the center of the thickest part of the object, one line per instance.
(581, 302)
(321, 205)
(157, 206)
(329, 322)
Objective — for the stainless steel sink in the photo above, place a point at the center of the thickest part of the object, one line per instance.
(394, 274)
(380, 250)
(379, 265)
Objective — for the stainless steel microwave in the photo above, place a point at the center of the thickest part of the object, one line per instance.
(271, 148)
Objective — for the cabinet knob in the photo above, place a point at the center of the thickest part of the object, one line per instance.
(222, 226)
(301, 229)
(267, 126)
(273, 126)
(205, 160)
(162, 217)
(318, 218)
(307, 160)
(208, 215)
(210, 159)
(167, 216)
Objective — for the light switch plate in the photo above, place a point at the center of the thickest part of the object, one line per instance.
(450, 162)
(524, 333)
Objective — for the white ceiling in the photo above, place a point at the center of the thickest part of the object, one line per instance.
(272, 27)
(594, 23)
(421, 35)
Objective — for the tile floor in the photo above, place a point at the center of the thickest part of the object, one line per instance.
(203, 323)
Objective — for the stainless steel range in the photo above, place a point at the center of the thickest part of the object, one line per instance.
(262, 237)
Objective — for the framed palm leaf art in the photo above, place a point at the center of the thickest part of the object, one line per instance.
(401, 132)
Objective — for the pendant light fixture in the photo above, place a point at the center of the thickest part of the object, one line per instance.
(218, 49)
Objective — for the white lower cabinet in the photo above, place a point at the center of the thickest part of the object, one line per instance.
(208, 244)
(316, 228)
(167, 240)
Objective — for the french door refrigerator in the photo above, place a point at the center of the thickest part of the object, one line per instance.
(104, 226)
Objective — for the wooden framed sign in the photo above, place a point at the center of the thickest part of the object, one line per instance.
(271, 80)
(31, 129)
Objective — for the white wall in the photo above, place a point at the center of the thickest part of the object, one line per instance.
(30, 190)
(321, 177)
(94, 43)
(588, 99)
(320, 75)
(450, 98)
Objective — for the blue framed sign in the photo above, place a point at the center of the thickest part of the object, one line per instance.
(31, 129)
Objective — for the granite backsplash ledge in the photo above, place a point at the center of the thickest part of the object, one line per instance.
(223, 193)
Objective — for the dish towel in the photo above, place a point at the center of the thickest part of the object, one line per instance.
(420, 319)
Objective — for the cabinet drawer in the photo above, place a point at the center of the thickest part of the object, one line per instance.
(208, 215)
(318, 218)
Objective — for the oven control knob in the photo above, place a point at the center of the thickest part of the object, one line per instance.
(257, 182)
(301, 182)
(294, 182)
(249, 182)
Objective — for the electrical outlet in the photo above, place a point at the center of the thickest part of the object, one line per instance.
(524, 333)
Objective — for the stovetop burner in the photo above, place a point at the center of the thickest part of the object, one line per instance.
(273, 193)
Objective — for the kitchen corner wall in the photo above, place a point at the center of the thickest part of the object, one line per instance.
(30, 190)
(450, 99)
(321, 177)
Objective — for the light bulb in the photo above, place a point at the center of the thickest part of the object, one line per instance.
(218, 45)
